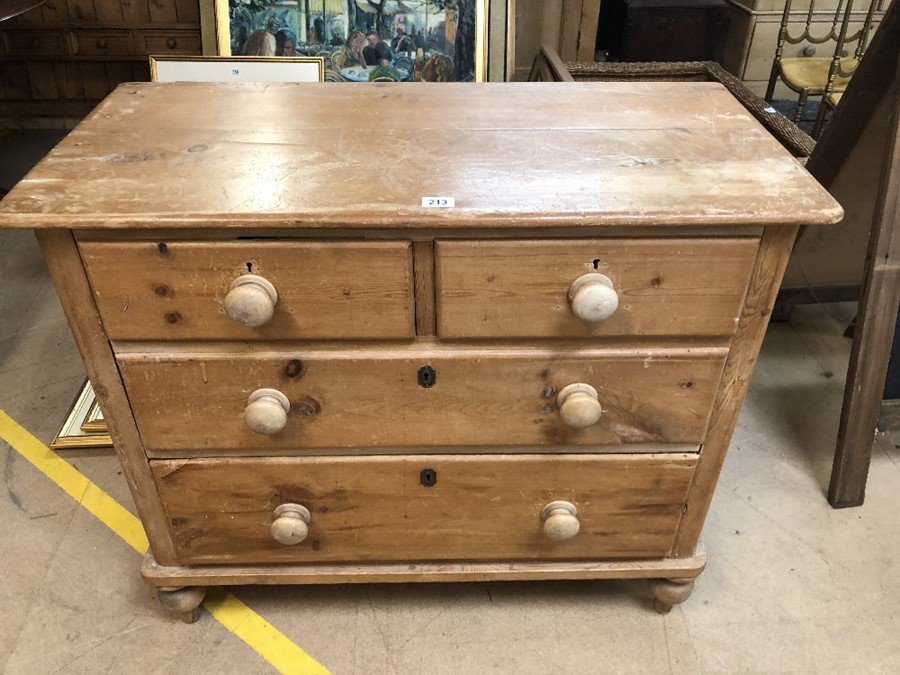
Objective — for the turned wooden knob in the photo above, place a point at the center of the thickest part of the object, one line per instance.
(251, 300)
(291, 524)
(267, 411)
(579, 405)
(560, 521)
(171, 43)
(102, 43)
(593, 297)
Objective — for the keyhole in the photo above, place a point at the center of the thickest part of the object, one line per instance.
(596, 263)
(427, 377)
(250, 267)
(428, 477)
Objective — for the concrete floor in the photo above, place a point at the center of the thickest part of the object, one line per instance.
(792, 586)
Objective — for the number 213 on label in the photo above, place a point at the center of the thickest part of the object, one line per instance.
(438, 202)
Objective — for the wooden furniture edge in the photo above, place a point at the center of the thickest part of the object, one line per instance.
(423, 288)
(64, 264)
(398, 221)
(873, 333)
(548, 67)
(419, 235)
(794, 139)
(12, 8)
(158, 575)
(771, 261)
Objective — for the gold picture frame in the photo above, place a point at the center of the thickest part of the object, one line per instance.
(84, 412)
(433, 31)
(93, 421)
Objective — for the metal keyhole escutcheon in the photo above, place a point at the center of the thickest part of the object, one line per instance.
(428, 477)
(427, 377)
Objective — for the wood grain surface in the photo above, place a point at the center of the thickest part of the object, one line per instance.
(423, 270)
(376, 508)
(64, 265)
(660, 186)
(666, 286)
(774, 251)
(510, 154)
(159, 575)
(194, 401)
(159, 290)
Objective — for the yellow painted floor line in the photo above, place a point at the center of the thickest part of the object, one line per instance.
(259, 634)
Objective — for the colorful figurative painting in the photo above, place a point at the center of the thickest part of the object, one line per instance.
(364, 40)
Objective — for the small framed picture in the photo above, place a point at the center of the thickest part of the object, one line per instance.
(84, 413)
(93, 421)
(236, 69)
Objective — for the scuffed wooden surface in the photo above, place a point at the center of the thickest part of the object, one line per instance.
(191, 401)
(339, 290)
(510, 154)
(666, 286)
(373, 509)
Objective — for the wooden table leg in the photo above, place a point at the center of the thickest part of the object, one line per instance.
(867, 118)
(874, 331)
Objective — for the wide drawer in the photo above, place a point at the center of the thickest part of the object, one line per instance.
(428, 397)
(439, 507)
(666, 286)
(177, 290)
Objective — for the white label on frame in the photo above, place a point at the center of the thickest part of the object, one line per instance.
(438, 202)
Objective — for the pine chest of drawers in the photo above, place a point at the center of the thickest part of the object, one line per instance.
(419, 333)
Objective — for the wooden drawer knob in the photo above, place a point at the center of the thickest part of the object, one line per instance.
(102, 43)
(560, 521)
(291, 524)
(251, 300)
(267, 411)
(171, 43)
(593, 297)
(579, 405)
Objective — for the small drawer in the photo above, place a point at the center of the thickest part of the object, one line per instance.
(36, 42)
(417, 398)
(440, 507)
(105, 42)
(196, 290)
(159, 43)
(654, 287)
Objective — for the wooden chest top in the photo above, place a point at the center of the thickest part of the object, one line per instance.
(508, 154)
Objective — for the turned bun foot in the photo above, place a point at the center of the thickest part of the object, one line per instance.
(182, 601)
(669, 592)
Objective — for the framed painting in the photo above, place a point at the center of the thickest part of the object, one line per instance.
(365, 40)
(236, 69)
